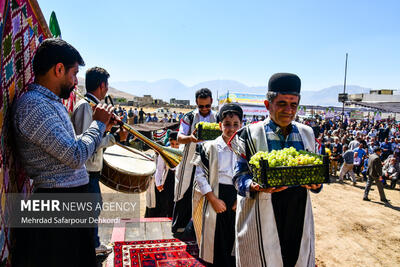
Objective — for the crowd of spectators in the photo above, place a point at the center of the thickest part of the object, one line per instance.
(350, 143)
(135, 116)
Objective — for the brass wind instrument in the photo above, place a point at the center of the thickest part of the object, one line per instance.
(171, 156)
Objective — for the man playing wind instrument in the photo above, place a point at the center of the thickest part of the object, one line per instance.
(53, 156)
(274, 226)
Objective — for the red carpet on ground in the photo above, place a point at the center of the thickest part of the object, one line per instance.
(164, 252)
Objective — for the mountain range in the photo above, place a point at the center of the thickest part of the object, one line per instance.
(170, 88)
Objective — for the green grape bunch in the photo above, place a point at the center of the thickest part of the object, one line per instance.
(208, 126)
(287, 157)
(209, 130)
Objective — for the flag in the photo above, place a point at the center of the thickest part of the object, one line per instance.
(54, 27)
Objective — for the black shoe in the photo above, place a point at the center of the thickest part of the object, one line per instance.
(385, 200)
(366, 199)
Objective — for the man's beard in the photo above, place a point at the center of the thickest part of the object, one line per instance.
(66, 91)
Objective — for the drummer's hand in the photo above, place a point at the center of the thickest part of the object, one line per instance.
(256, 187)
(123, 134)
(312, 186)
(103, 113)
(160, 188)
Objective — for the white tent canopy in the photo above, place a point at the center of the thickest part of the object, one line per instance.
(393, 107)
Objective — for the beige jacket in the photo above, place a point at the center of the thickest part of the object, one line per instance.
(81, 119)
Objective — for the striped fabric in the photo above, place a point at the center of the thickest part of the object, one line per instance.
(275, 141)
(257, 239)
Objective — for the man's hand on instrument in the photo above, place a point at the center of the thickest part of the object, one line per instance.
(312, 186)
(256, 187)
(103, 113)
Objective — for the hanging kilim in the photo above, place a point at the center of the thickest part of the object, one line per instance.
(22, 28)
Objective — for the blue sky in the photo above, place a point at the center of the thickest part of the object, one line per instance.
(247, 41)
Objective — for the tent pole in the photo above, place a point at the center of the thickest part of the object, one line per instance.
(344, 87)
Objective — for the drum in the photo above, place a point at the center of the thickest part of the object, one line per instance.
(126, 171)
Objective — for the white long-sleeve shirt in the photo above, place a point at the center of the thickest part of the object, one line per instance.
(161, 170)
(81, 118)
(226, 166)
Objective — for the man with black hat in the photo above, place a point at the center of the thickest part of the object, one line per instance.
(375, 174)
(274, 226)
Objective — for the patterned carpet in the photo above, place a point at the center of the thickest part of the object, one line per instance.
(164, 252)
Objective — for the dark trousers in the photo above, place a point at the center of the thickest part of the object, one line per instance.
(94, 189)
(393, 183)
(225, 228)
(378, 184)
(183, 208)
(164, 199)
(48, 247)
(357, 169)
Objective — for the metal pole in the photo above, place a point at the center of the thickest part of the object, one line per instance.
(344, 87)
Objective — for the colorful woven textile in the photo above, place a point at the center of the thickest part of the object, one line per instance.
(22, 28)
(165, 252)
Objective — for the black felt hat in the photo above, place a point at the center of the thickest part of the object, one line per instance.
(231, 107)
(284, 83)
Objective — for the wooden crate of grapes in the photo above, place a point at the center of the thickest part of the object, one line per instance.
(207, 131)
(288, 167)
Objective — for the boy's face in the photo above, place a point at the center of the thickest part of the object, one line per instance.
(173, 143)
(229, 125)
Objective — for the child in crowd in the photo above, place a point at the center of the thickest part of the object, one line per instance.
(160, 194)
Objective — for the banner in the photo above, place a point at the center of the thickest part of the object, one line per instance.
(356, 115)
(242, 98)
(255, 110)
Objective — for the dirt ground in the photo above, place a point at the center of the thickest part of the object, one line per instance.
(348, 230)
(353, 232)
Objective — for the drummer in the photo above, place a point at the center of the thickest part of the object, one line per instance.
(96, 83)
(53, 156)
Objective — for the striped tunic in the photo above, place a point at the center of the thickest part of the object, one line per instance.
(273, 229)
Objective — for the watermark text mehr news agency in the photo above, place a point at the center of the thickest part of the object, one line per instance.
(56, 205)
